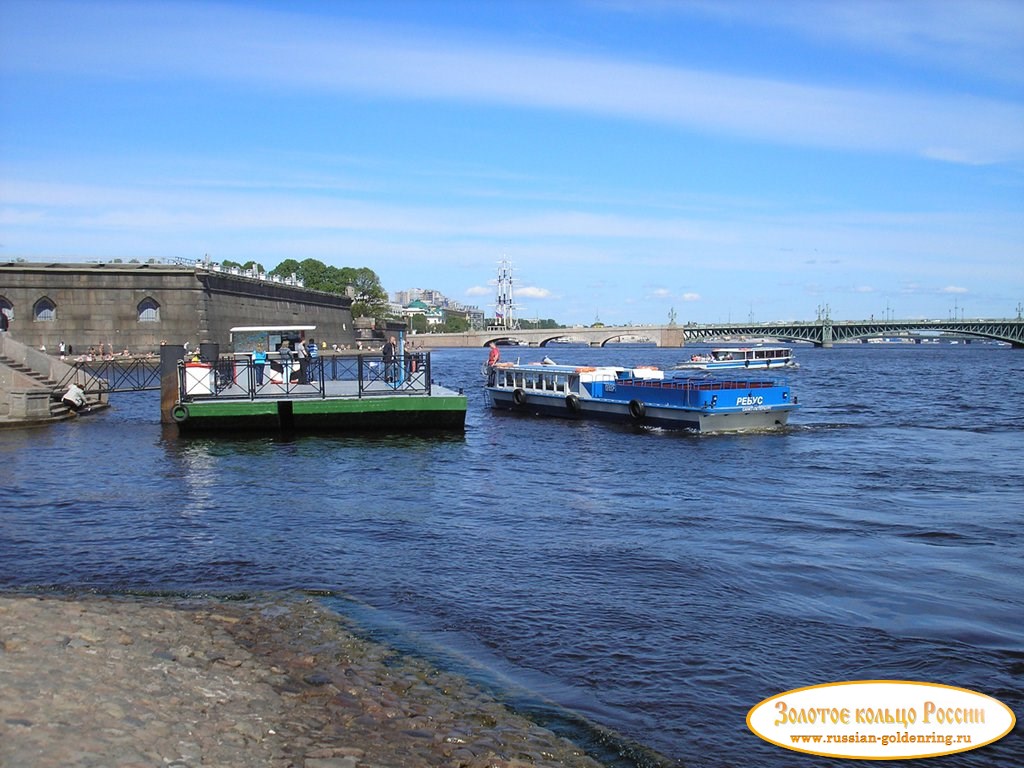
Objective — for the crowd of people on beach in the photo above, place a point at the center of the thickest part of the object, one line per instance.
(306, 349)
(99, 352)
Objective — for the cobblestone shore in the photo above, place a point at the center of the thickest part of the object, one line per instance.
(267, 682)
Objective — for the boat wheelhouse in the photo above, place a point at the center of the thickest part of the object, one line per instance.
(645, 396)
(725, 358)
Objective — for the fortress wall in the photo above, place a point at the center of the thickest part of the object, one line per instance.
(99, 303)
(229, 302)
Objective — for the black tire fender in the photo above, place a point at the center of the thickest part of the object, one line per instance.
(572, 402)
(519, 396)
(637, 410)
(180, 413)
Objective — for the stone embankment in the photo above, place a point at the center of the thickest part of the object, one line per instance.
(266, 682)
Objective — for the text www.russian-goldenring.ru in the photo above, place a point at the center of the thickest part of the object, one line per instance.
(885, 740)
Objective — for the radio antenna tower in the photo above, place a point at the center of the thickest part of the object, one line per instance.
(504, 304)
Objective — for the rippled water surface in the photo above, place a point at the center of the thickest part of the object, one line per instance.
(655, 584)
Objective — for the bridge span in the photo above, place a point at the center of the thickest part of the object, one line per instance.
(821, 333)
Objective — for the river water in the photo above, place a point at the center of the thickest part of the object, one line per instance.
(637, 590)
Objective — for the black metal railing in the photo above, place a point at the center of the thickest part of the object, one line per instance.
(239, 377)
(120, 374)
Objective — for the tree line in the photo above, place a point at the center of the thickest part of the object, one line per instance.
(369, 299)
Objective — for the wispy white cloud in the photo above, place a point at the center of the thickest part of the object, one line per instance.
(982, 36)
(533, 292)
(451, 234)
(732, 219)
(954, 289)
(267, 50)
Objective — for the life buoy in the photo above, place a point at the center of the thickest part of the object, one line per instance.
(572, 403)
(180, 413)
(519, 397)
(636, 410)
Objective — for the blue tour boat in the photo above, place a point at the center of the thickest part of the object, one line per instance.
(644, 395)
(726, 358)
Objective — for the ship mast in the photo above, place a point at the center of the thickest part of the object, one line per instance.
(504, 303)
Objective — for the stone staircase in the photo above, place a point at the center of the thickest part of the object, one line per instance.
(58, 410)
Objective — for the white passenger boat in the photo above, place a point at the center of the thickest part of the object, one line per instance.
(725, 358)
(644, 395)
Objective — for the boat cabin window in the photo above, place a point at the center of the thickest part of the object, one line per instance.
(542, 380)
(546, 381)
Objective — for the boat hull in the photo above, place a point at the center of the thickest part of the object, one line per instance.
(651, 414)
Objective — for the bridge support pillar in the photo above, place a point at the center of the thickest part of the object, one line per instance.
(672, 337)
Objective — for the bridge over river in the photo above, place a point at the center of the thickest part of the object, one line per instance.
(129, 375)
(821, 333)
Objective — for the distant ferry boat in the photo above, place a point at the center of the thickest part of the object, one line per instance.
(644, 396)
(725, 358)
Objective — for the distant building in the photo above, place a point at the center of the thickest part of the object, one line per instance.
(428, 296)
(432, 315)
(434, 306)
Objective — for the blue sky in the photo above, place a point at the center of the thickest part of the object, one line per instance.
(730, 161)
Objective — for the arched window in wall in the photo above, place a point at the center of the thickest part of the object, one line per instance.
(7, 309)
(149, 311)
(44, 310)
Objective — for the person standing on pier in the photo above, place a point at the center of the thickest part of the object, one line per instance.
(388, 351)
(259, 362)
(312, 372)
(286, 362)
(302, 352)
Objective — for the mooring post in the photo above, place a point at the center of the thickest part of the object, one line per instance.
(170, 354)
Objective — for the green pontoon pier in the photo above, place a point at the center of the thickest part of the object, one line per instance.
(281, 392)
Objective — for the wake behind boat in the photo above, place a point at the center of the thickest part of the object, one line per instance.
(644, 395)
(726, 358)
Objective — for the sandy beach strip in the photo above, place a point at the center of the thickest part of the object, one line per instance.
(267, 681)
